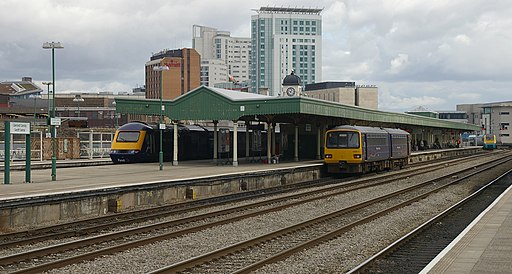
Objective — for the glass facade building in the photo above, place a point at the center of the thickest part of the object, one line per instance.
(285, 39)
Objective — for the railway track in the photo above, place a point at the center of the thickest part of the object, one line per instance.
(96, 225)
(14, 261)
(250, 255)
(414, 251)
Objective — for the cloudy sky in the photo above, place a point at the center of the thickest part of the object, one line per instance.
(435, 54)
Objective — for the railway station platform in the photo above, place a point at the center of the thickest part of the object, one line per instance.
(93, 175)
(485, 246)
(89, 188)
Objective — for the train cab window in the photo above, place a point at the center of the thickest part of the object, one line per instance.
(343, 140)
(128, 136)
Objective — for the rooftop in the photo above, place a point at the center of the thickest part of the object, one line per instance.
(288, 10)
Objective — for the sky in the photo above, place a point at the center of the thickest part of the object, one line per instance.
(434, 54)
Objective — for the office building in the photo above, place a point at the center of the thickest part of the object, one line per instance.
(183, 74)
(494, 118)
(347, 93)
(285, 40)
(222, 56)
(213, 71)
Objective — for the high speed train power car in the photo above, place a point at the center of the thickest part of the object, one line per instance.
(137, 142)
(359, 149)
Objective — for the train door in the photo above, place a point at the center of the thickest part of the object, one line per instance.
(151, 142)
(363, 146)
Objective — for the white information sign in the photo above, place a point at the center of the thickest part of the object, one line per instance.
(20, 128)
(55, 121)
(162, 126)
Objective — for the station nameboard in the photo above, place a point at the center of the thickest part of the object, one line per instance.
(20, 128)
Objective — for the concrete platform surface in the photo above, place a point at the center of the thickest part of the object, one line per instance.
(74, 179)
(485, 246)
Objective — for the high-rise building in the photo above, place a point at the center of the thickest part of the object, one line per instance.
(285, 39)
(213, 71)
(183, 74)
(214, 45)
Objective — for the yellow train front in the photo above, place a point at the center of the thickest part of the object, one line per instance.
(138, 142)
(489, 141)
(359, 149)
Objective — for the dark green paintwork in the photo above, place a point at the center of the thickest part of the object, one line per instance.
(206, 104)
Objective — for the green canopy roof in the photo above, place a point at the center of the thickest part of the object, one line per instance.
(206, 103)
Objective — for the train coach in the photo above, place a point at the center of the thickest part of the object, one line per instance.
(359, 149)
(138, 142)
(489, 141)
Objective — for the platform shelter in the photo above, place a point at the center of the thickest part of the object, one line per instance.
(301, 120)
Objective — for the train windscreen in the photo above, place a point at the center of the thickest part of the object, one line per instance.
(128, 136)
(337, 139)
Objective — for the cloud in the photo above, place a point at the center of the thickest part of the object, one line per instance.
(437, 52)
(399, 63)
(391, 102)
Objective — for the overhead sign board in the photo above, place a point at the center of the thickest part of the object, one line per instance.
(20, 128)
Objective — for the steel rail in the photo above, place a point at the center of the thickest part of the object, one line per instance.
(217, 254)
(73, 229)
(110, 236)
(404, 239)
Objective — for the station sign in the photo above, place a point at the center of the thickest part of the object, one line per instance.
(55, 121)
(20, 128)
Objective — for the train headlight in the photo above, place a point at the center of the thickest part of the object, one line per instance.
(328, 156)
(357, 156)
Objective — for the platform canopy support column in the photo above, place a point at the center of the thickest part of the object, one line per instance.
(274, 139)
(215, 140)
(247, 147)
(235, 143)
(269, 141)
(318, 142)
(296, 148)
(175, 144)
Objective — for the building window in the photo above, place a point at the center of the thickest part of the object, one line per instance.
(504, 113)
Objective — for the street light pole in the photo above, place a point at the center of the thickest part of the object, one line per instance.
(53, 46)
(48, 84)
(115, 113)
(160, 125)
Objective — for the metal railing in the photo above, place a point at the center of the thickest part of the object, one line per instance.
(95, 144)
(18, 151)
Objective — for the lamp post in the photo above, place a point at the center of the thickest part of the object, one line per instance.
(53, 46)
(160, 125)
(48, 84)
(78, 99)
(115, 113)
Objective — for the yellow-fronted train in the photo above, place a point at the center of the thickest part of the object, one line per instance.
(137, 142)
(360, 149)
